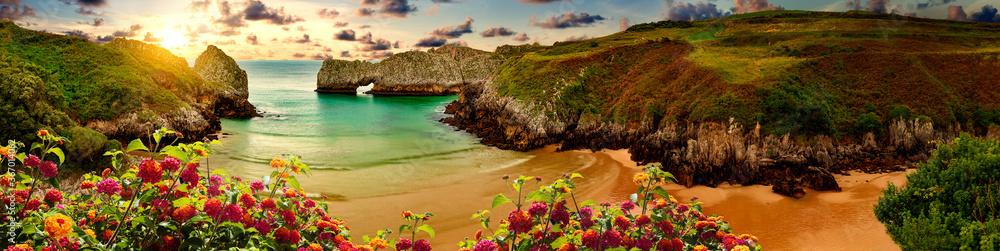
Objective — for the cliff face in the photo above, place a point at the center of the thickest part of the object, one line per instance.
(441, 71)
(231, 102)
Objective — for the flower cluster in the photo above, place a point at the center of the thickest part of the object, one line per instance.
(650, 220)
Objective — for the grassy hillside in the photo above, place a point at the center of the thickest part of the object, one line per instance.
(61, 82)
(792, 71)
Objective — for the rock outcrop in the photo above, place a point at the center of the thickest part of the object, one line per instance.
(697, 154)
(231, 102)
(441, 71)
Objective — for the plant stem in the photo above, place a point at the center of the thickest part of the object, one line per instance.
(122, 218)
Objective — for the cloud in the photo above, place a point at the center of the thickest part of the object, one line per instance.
(431, 41)
(152, 39)
(345, 54)
(387, 8)
(328, 13)
(447, 1)
(624, 23)
(932, 3)
(364, 12)
(523, 37)
(198, 6)
(252, 39)
(567, 20)
(687, 12)
(88, 12)
(229, 18)
(14, 10)
(321, 56)
(747, 6)
(376, 55)
(364, 26)
(340, 24)
(575, 38)
(988, 14)
(103, 39)
(433, 10)
(131, 32)
(80, 34)
(539, 1)
(345, 35)
(454, 31)
(459, 43)
(877, 6)
(303, 40)
(498, 31)
(299, 55)
(97, 22)
(256, 10)
(225, 42)
(369, 43)
(88, 3)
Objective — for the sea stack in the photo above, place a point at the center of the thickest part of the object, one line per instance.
(231, 102)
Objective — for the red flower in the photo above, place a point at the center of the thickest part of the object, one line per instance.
(268, 204)
(248, 201)
(149, 171)
(537, 209)
(32, 161)
(213, 208)
(87, 185)
(611, 239)
(232, 213)
(48, 169)
(184, 213)
(666, 227)
(288, 216)
(520, 221)
(643, 220)
(105, 173)
(590, 239)
(567, 247)
(623, 223)
(53, 196)
(170, 164)
(282, 234)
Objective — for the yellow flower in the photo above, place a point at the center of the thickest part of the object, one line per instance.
(640, 178)
(90, 232)
(278, 163)
(58, 225)
(700, 248)
(741, 248)
(91, 214)
(3, 152)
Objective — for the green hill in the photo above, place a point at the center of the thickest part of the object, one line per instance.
(74, 87)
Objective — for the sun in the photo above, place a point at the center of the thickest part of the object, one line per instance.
(172, 39)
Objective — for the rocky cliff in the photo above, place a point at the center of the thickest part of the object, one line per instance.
(231, 102)
(441, 71)
(779, 98)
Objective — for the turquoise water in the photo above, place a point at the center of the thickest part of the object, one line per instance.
(354, 140)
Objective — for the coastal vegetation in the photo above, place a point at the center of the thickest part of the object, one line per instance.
(951, 202)
(161, 195)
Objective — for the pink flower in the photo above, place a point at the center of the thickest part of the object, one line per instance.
(404, 244)
(422, 245)
(590, 239)
(611, 239)
(288, 216)
(537, 209)
(53, 196)
(161, 204)
(256, 186)
(108, 187)
(213, 191)
(48, 169)
(263, 227)
(190, 175)
(215, 180)
(644, 243)
(622, 223)
(170, 164)
(213, 208)
(232, 213)
(485, 245)
(559, 213)
(248, 201)
(309, 204)
(627, 206)
(32, 161)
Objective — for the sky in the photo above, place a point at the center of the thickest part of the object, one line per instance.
(375, 29)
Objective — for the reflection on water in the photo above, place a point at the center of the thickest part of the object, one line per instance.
(376, 156)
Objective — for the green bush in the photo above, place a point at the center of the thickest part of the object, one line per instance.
(30, 98)
(868, 122)
(950, 202)
(794, 108)
(901, 111)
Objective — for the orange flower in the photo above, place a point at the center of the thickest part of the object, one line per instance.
(107, 234)
(4, 151)
(87, 185)
(315, 247)
(741, 248)
(378, 243)
(407, 214)
(43, 133)
(90, 232)
(700, 248)
(295, 168)
(58, 225)
(278, 163)
(91, 214)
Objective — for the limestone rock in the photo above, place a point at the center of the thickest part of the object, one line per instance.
(231, 102)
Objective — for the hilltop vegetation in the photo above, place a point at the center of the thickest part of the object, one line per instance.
(72, 86)
(798, 72)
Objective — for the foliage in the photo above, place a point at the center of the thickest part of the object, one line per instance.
(30, 98)
(659, 25)
(950, 202)
(868, 122)
(792, 107)
(650, 220)
(901, 112)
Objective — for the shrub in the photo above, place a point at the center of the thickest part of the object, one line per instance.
(868, 122)
(950, 202)
(900, 111)
(794, 108)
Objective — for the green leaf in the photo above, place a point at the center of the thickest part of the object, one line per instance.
(539, 196)
(135, 145)
(20, 157)
(559, 241)
(426, 228)
(659, 191)
(403, 227)
(182, 201)
(500, 200)
(576, 175)
(175, 152)
(634, 198)
(293, 182)
(36, 145)
(59, 153)
(54, 182)
(220, 172)
(588, 203)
